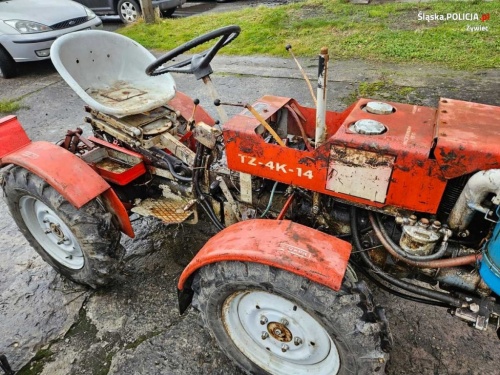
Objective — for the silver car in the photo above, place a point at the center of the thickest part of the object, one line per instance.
(130, 10)
(29, 27)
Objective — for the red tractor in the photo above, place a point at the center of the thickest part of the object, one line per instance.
(303, 199)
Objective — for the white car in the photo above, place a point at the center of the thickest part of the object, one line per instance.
(29, 27)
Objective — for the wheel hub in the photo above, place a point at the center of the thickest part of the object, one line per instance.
(279, 332)
(56, 230)
(291, 342)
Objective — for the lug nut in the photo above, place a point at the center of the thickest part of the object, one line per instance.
(284, 322)
(264, 335)
(284, 348)
(263, 320)
(297, 341)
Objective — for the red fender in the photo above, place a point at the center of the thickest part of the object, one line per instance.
(283, 244)
(184, 104)
(69, 175)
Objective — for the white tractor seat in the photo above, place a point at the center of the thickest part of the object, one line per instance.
(107, 71)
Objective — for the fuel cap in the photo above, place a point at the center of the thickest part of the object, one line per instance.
(368, 126)
(379, 108)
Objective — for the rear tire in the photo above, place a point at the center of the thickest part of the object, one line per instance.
(81, 244)
(129, 11)
(270, 321)
(8, 67)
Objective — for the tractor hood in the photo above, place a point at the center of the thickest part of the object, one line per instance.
(47, 12)
(468, 137)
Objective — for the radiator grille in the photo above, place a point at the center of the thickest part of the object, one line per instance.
(69, 23)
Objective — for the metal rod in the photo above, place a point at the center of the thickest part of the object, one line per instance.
(265, 124)
(289, 49)
(212, 92)
(285, 208)
(321, 96)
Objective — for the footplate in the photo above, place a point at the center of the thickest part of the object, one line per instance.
(168, 210)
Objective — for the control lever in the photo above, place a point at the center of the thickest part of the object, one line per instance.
(288, 47)
(191, 121)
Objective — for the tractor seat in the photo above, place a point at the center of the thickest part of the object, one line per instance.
(107, 71)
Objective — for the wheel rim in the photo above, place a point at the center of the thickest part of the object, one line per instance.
(278, 335)
(129, 12)
(51, 233)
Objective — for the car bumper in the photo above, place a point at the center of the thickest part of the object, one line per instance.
(168, 4)
(34, 47)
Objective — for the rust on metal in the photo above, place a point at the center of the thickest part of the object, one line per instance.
(279, 332)
(177, 148)
(168, 210)
(69, 175)
(408, 142)
(121, 95)
(468, 136)
(363, 174)
(287, 245)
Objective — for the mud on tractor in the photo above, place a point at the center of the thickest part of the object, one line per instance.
(303, 199)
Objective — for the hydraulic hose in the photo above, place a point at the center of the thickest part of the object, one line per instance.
(270, 203)
(197, 190)
(166, 158)
(404, 254)
(442, 297)
(441, 263)
(397, 293)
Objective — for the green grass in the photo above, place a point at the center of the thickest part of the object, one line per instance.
(9, 106)
(383, 90)
(386, 32)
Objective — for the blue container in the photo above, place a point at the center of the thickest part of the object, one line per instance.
(490, 264)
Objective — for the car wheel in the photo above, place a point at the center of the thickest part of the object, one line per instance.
(270, 321)
(8, 67)
(129, 11)
(168, 12)
(81, 244)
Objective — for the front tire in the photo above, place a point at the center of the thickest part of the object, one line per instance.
(8, 67)
(129, 11)
(81, 244)
(270, 321)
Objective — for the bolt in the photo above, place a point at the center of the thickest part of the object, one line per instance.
(297, 341)
(277, 332)
(263, 320)
(69, 257)
(284, 348)
(264, 335)
(284, 322)
(48, 231)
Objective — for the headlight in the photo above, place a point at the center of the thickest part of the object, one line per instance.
(27, 27)
(90, 14)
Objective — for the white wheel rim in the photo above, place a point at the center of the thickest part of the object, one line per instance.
(261, 323)
(129, 12)
(51, 233)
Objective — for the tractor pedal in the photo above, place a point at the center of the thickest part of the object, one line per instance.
(168, 210)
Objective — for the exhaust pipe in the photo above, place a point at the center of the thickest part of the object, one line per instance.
(475, 191)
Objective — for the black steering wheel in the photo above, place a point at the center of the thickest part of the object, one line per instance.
(199, 64)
